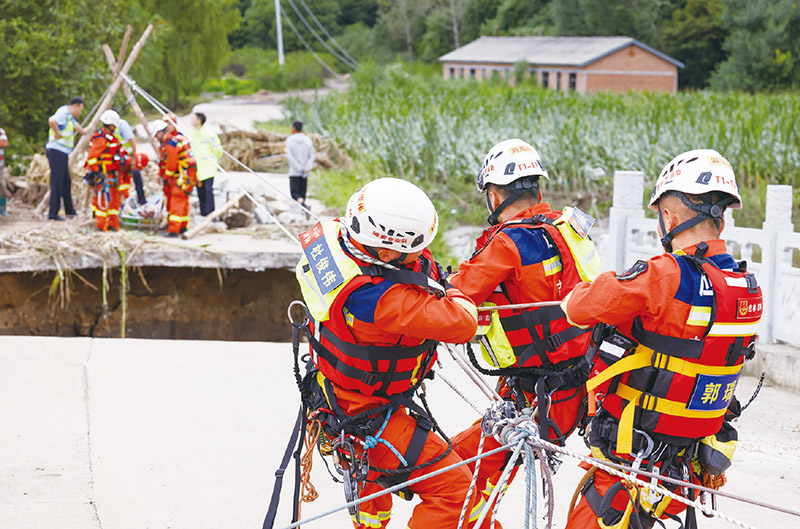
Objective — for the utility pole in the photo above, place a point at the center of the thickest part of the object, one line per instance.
(279, 27)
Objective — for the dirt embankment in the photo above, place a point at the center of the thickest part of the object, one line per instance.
(174, 303)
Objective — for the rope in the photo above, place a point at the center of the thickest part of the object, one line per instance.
(400, 486)
(520, 306)
(164, 110)
(503, 477)
(530, 487)
(307, 490)
(472, 481)
(371, 441)
(458, 392)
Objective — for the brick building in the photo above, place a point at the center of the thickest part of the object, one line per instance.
(568, 64)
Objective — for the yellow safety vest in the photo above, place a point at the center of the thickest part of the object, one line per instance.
(67, 138)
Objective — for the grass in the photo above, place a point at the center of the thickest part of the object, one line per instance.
(412, 124)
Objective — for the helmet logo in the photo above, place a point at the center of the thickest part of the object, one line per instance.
(510, 168)
(704, 178)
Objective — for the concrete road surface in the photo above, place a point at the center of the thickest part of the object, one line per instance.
(122, 434)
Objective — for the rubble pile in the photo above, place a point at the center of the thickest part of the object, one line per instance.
(265, 151)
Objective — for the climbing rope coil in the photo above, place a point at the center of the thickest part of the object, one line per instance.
(518, 432)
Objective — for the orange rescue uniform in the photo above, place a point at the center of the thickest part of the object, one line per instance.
(384, 313)
(105, 155)
(530, 268)
(667, 295)
(178, 172)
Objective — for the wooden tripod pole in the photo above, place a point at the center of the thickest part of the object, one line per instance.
(112, 91)
(126, 89)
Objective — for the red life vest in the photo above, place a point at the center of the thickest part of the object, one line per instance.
(109, 160)
(381, 370)
(678, 387)
(538, 336)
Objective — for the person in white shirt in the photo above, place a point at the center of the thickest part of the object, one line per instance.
(3, 191)
(300, 153)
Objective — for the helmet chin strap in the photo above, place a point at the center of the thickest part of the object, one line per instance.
(704, 212)
(516, 190)
(495, 213)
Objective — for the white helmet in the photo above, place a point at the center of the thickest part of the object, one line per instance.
(508, 161)
(697, 172)
(109, 117)
(391, 213)
(157, 126)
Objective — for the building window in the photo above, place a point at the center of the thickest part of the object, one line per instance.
(558, 81)
(545, 79)
(452, 72)
(483, 73)
(573, 82)
(462, 73)
(472, 73)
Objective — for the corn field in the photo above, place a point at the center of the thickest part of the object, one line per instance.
(436, 132)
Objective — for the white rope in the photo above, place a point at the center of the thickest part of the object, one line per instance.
(166, 111)
(400, 486)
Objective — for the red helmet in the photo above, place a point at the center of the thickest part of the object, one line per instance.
(141, 160)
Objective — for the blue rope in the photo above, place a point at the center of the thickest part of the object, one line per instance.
(530, 482)
(372, 441)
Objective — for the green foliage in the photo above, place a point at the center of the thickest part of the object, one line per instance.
(694, 35)
(300, 69)
(188, 45)
(763, 46)
(51, 52)
(436, 132)
(231, 85)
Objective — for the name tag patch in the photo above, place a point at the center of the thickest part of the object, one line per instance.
(320, 259)
(713, 392)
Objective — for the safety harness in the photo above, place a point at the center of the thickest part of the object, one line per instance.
(528, 346)
(327, 275)
(186, 174)
(666, 401)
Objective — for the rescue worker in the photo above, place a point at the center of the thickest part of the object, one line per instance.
(684, 321)
(178, 172)
(131, 163)
(103, 165)
(529, 254)
(378, 305)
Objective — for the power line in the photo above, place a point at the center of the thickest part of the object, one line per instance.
(344, 51)
(305, 44)
(319, 38)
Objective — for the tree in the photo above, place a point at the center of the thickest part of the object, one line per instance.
(186, 50)
(763, 46)
(403, 19)
(694, 35)
(52, 52)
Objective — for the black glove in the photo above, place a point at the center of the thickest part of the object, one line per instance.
(93, 177)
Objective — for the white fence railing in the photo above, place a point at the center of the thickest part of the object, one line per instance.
(769, 251)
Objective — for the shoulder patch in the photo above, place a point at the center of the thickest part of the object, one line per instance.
(638, 268)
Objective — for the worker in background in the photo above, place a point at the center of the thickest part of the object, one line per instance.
(178, 172)
(103, 164)
(300, 154)
(379, 304)
(131, 166)
(207, 150)
(63, 127)
(3, 189)
(683, 324)
(530, 253)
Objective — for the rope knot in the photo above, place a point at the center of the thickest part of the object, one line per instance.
(370, 442)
